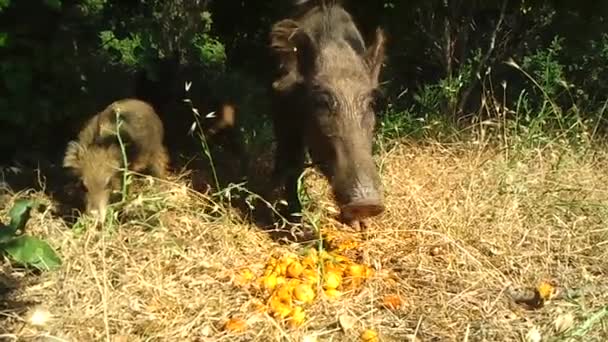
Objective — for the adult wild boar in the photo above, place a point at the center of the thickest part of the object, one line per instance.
(96, 157)
(324, 101)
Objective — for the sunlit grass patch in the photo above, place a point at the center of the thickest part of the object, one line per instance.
(469, 231)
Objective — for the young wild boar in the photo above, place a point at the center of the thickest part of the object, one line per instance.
(96, 157)
(325, 97)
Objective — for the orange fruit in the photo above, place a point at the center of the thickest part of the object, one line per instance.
(294, 269)
(304, 293)
(297, 316)
(369, 335)
(332, 280)
(235, 324)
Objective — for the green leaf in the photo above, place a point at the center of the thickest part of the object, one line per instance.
(4, 4)
(19, 214)
(54, 4)
(3, 38)
(591, 321)
(28, 250)
(6, 233)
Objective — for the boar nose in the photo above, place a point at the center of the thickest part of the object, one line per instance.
(98, 213)
(366, 201)
(94, 212)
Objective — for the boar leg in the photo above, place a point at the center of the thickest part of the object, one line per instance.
(159, 163)
(289, 164)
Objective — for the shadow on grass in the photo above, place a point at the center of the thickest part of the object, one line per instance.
(249, 189)
(12, 308)
(49, 178)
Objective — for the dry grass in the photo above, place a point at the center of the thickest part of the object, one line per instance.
(464, 226)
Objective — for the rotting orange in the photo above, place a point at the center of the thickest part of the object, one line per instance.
(347, 245)
(341, 258)
(297, 316)
(355, 270)
(545, 290)
(293, 283)
(283, 293)
(310, 260)
(279, 309)
(281, 268)
(332, 280)
(294, 269)
(304, 293)
(235, 325)
(369, 335)
(244, 277)
(332, 293)
(272, 262)
(324, 255)
(334, 268)
(269, 282)
(281, 280)
(310, 276)
(392, 301)
(285, 261)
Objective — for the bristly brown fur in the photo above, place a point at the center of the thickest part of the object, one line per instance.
(73, 155)
(324, 93)
(96, 156)
(285, 49)
(305, 5)
(296, 41)
(142, 130)
(295, 49)
(376, 54)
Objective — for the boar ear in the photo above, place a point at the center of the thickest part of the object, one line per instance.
(291, 43)
(306, 51)
(374, 55)
(73, 155)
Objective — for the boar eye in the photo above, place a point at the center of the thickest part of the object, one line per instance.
(323, 101)
(328, 101)
(322, 98)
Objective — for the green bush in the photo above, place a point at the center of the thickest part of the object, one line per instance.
(64, 60)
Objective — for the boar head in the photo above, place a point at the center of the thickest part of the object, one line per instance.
(97, 168)
(338, 88)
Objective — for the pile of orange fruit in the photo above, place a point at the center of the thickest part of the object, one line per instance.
(293, 281)
(290, 282)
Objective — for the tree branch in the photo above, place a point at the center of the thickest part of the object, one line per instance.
(482, 63)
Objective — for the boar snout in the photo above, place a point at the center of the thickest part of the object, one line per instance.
(97, 204)
(362, 199)
(356, 183)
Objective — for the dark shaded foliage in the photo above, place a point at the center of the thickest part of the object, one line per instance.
(62, 59)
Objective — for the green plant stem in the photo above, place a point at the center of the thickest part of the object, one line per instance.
(124, 156)
(205, 146)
